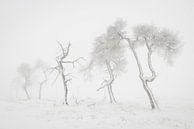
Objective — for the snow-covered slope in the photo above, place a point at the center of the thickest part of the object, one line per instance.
(90, 115)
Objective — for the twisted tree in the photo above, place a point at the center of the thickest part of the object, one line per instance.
(156, 40)
(108, 53)
(160, 41)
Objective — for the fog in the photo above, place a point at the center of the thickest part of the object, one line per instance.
(29, 30)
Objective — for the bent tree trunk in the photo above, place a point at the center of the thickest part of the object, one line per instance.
(26, 91)
(109, 83)
(152, 77)
(25, 87)
(149, 93)
(145, 80)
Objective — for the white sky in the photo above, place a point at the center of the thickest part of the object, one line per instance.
(29, 30)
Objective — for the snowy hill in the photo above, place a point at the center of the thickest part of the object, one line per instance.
(48, 115)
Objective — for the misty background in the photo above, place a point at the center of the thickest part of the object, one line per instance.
(29, 30)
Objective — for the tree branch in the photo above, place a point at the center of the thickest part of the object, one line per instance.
(68, 80)
(64, 52)
(153, 76)
(55, 79)
(53, 68)
(103, 86)
(73, 62)
(130, 43)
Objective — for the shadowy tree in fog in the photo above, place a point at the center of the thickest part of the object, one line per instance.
(60, 68)
(108, 53)
(43, 69)
(25, 71)
(161, 41)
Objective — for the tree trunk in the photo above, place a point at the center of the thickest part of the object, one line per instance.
(41, 84)
(25, 87)
(144, 80)
(64, 81)
(114, 100)
(64, 84)
(65, 93)
(27, 94)
(149, 93)
(109, 85)
(153, 76)
(40, 92)
(109, 93)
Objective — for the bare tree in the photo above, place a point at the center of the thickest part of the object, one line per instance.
(43, 68)
(157, 40)
(109, 53)
(60, 68)
(25, 72)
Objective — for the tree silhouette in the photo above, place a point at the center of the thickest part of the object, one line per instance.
(161, 41)
(25, 71)
(60, 68)
(109, 53)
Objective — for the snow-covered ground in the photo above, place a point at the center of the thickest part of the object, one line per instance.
(91, 115)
